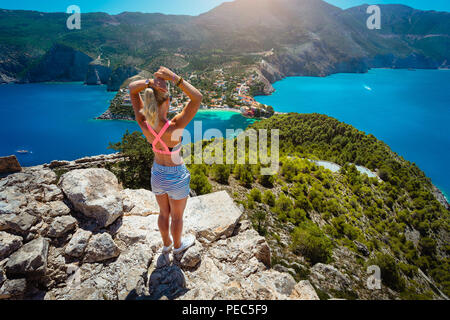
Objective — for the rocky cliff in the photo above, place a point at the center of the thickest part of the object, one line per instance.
(60, 63)
(83, 237)
(98, 73)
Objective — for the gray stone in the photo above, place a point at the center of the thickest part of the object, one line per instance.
(191, 257)
(101, 247)
(52, 193)
(78, 243)
(13, 289)
(211, 216)
(30, 260)
(362, 248)
(139, 202)
(326, 277)
(2, 276)
(95, 193)
(8, 244)
(61, 225)
(5, 221)
(23, 222)
(304, 290)
(58, 208)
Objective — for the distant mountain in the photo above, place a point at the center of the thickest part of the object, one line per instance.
(309, 37)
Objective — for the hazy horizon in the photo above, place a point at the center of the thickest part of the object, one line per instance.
(194, 7)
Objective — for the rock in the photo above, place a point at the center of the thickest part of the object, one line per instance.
(119, 75)
(5, 221)
(52, 193)
(61, 225)
(60, 63)
(97, 73)
(78, 243)
(362, 248)
(326, 277)
(101, 247)
(139, 202)
(304, 290)
(58, 208)
(212, 216)
(30, 260)
(12, 200)
(13, 288)
(9, 165)
(56, 164)
(8, 244)
(192, 257)
(23, 222)
(95, 193)
(2, 276)
(85, 294)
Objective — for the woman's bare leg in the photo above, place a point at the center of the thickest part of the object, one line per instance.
(176, 212)
(163, 220)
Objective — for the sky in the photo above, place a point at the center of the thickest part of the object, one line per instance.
(190, 7)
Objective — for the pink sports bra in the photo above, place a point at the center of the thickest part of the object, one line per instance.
(167, 151)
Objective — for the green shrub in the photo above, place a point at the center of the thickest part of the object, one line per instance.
(199, 181)
(309, 241)
(268, 198)
(390, 273)
(221, 173)
(255, 194)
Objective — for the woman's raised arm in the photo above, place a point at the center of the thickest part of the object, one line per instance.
(188, 113)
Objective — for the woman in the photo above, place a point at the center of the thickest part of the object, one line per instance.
(170, 177)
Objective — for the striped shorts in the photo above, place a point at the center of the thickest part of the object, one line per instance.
(173, 181)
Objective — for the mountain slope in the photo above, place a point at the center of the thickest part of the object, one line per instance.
(309, 37)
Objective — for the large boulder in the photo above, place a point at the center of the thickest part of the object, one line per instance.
(101, 247)
(139, 202)
(8, 244)
(95, 193)
(212, 216)
(30, 260)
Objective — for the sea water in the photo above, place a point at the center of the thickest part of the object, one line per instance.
(409, 110)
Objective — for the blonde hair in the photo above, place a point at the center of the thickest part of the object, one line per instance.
(152, 100)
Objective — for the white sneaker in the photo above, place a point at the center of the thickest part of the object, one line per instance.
(186, 243)
(166, 250)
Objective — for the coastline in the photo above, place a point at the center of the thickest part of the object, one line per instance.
(441, 195)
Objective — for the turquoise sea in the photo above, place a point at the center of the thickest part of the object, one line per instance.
(56, 122)
(409, 110)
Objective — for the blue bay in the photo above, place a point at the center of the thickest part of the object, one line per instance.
(408, 110)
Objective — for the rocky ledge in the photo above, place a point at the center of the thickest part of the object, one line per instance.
(84, 237)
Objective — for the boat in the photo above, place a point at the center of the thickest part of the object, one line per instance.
(23, 151)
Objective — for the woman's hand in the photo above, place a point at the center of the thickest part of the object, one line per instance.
(166, 74)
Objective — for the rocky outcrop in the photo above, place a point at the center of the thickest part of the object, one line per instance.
(119, 75)
(60, 63)
(9, 165)
(99, 161)
(98, 73)
(79, 249)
